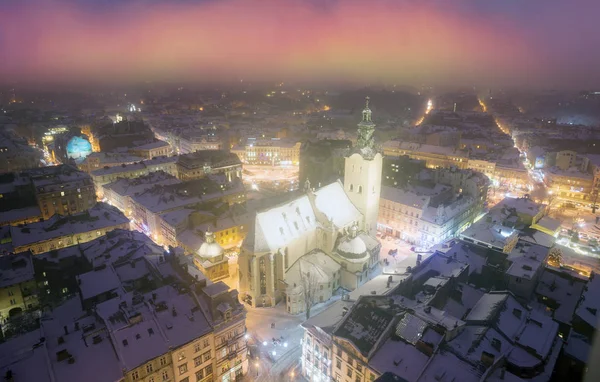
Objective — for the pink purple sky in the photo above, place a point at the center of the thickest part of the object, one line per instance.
(550, 43)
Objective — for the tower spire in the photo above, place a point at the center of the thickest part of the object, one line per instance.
(366, 117)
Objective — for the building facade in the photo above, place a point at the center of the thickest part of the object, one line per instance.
(274, 152)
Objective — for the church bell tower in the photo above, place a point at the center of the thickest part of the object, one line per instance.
(362, 173)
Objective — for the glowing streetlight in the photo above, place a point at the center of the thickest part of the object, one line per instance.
(264, 343)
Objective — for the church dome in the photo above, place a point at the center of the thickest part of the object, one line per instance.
(353, 247)
(210, 248)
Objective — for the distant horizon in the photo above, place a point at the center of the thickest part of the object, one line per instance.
(540, 43)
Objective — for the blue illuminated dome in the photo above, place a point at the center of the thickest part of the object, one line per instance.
(78, 148)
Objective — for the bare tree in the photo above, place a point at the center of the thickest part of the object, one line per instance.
(310, 288)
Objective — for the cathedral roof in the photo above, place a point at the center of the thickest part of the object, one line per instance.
(333, 202)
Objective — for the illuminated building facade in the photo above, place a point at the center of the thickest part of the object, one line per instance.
(274, 152)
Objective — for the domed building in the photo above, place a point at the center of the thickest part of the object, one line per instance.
(308, 247)
(211, 259)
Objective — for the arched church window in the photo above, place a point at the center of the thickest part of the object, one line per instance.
(360, 189)
(351, 187)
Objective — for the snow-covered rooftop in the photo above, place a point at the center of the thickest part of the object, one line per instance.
(19, 214)
(404, 197)
(132, 186)
(493, 234)
(399, 357)
(119, 245)
(589, 307)
(91, 348)
(16, 269)
(561, 289)
(549, 223)
(96, 282)
(526, 259)
(100, 216)
(279, 226)
(333, 202)
(322, 266)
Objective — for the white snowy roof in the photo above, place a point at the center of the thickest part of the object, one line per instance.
(399, 357)
(468, 298)
(210, 250)
(93, 361)
(353, 246)
(443, 265)
(486, 307)
(404, 197)
(470, 254)
(490, 233)
(526, 259)
(190, 239)
(131, 186)
(132, 270)
(589, 306)
(317, 263)
(279, 226)
(174, 218)
(329, 317)
(98, 217)
(333, 202)
(521, 205)
(158, 199)
(96, 282)
(119, 244)
(189, 323)
(549, 223)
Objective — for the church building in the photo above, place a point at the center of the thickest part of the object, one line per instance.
(307, 248)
